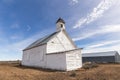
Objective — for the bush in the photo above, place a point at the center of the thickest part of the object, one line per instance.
(73, 74)
(89, 65)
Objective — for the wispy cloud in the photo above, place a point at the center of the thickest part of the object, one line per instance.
(101, 30)
(73, 2)
(96, 13)
(102, 46)
(28, 28)
(115, 47)
(102, 43)
(15, 37)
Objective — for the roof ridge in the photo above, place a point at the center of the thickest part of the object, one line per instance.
(109, 53)
(100, 52)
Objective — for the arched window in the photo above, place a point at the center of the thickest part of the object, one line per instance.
(61, 25)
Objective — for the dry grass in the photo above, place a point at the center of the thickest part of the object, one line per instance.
(89, 65)
(13, 71)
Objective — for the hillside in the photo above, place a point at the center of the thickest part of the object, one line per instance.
(12, 71)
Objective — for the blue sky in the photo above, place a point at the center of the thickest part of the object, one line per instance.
(93, 24)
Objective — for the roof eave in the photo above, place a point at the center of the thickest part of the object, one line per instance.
(63, 51)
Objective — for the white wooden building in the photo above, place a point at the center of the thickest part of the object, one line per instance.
(55, 51)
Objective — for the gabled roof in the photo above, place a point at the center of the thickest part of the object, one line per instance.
(109, 53)
(60, 20)
(41, 41)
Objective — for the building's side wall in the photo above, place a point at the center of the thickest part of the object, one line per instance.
(34, 57)
(56, 61)
(99, 59)
(117, 57)
(73, 60)
(59, 43)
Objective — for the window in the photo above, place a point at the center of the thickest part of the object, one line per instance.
(61, 25)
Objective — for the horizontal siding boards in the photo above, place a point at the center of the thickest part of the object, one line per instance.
(74, 59)
(99, 59)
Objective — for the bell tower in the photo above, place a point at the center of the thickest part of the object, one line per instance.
(60, 24)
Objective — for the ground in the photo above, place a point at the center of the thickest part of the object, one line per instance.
(13, 71)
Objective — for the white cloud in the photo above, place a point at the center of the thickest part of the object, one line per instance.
(103, 43)
(73, 2)
(102, 46)
(102, 30)
(14, 37)
(84, 36)
(103, 49)
(28, 28)
(96, 13)
(81, 37)
(111, 28)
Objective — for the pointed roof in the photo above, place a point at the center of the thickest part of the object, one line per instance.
(41, 41)
(60, 20)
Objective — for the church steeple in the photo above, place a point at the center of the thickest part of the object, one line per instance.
(60, 24)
